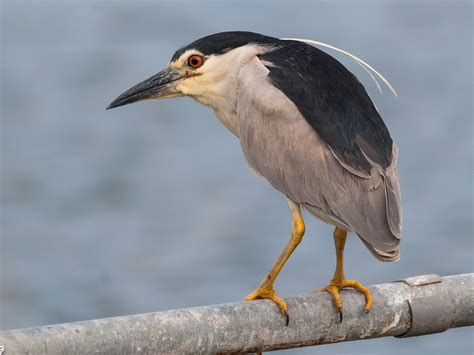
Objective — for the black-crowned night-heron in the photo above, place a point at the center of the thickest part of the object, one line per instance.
(308, 126)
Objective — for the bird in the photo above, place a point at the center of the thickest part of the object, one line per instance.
(307, 125)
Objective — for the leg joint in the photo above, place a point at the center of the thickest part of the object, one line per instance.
(340, 233)
(340, 236)
(298, 231)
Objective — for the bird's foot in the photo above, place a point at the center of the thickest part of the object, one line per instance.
(335, 286)
(269, 294)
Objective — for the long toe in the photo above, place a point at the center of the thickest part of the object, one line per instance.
(269, 294)
(362, 289)
(336, 297)
(334, 287)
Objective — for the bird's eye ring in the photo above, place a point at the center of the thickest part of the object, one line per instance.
(195, 61)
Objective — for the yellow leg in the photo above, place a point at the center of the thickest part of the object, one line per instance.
(265, 289)
(339, 281)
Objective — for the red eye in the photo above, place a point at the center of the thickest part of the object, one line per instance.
(195, 61)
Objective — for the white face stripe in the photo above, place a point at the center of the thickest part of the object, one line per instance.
(183, 58)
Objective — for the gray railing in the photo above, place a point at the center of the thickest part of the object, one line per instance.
(414, 306)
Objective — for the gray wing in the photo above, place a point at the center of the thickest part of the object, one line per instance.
(283, 147)
(334, 103)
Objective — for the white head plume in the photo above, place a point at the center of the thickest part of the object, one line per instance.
(371, 71)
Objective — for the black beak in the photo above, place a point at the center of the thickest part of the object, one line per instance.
(160, 85)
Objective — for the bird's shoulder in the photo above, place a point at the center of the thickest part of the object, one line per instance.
(333, 102)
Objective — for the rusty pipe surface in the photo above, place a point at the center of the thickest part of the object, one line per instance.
(414, 306)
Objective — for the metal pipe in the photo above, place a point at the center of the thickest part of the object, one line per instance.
(414, 306)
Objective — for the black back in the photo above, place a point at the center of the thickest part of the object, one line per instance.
(329, 97)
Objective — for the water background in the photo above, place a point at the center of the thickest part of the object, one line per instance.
(152, 206)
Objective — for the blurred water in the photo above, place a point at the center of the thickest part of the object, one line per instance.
(151, 206)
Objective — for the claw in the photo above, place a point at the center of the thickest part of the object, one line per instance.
(287, 318)
(269, 294)
(334, 287)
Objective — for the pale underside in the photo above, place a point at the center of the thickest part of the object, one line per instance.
(280, 145)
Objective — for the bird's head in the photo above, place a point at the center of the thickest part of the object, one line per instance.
(204, 69)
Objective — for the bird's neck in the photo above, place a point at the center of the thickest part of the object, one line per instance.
(219, 88)
(222, 97)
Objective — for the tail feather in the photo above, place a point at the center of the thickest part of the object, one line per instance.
(386, 246)
(393, 198)
(381, 254)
